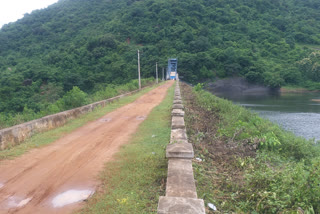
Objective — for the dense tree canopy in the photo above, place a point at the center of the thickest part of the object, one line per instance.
(91, 43)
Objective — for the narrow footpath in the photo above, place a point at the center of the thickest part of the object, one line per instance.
(49, 179)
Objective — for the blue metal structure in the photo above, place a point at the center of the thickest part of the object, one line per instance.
(172, 68)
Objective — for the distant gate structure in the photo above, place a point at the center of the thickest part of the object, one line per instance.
(172, 68)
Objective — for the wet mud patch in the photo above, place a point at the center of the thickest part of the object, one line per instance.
(143, 117)
(17, 202)
(105, 120)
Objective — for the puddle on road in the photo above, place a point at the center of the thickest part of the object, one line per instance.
(70, 197)
(141, 117)
(17, 201)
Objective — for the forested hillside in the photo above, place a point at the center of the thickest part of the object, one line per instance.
(90, 44)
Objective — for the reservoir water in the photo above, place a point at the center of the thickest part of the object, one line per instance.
(295, 112)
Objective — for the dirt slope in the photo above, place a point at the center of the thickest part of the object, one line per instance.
(34, 182)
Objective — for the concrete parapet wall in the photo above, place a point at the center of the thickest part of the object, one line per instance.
(177, 113)
(177, 106)
(181, 149)
(177, 102)
(15, 135)
(177, 123)
(180, 181)
(177, 205)
(181, 194)
(177, 135)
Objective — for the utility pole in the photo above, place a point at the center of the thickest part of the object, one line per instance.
(139, 70)
(157, 72)
(162, 73)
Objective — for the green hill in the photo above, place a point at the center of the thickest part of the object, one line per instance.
(92, 43)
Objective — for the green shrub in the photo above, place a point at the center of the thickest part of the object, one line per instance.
(53, 108)
(198, 87)
(273, 188)
(74, 98)
(28, 114)
(310, 85)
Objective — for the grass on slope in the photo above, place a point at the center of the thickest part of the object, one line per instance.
(250, 165)
(45, 138)
(135, 180)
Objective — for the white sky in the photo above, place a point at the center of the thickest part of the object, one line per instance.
(12, 10)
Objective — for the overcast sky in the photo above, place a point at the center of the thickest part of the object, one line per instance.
(12, 10)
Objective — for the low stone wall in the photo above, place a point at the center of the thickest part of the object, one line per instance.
(181, 195)
(15, 135)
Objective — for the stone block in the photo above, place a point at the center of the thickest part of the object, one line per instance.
(180, 150)
(177, 106)
(177, 123)
(178, 205)
(173, 141)
(178, 134)
(180, 180)
(177, 101)
(177, 112)
(177, 97)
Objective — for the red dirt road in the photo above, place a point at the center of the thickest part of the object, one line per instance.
(31, 182)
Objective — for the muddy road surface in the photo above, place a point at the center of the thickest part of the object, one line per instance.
(58, 177)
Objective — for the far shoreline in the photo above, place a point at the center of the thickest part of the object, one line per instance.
(296, 90)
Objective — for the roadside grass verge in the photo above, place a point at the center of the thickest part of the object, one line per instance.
(133, 182)
(45, 138)
(249, 165)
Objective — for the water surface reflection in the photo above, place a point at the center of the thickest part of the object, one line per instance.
(294, 112)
